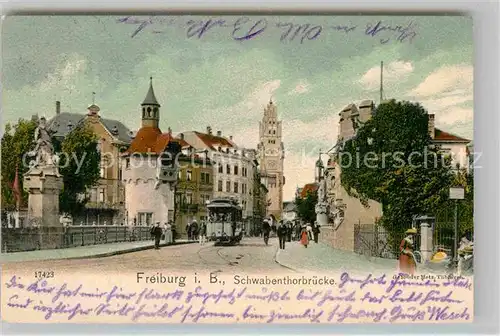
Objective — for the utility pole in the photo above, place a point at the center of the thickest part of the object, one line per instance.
(381, 82)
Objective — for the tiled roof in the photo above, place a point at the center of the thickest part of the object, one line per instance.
(65, 118)
(443, 136)
(308, 188)
(147, 140)
(182, 142)
(213, 141)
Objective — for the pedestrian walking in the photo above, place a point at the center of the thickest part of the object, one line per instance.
(194, 230)
(289, 231)
(316, 232)
(298, 230)
(266, 230)
(174, 231)
(407, 263)
(203, 233)
(309, 231)
(157, 232)
(168, 233)
(282, 233)
(304, 237)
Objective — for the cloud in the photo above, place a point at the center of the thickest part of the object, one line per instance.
(300, 88)
(64, 75)
(393, 72)
(444, 93)
(447, 79)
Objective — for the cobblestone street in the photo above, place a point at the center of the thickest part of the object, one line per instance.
(251, 256)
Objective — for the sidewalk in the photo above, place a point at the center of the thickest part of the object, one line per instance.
(88, 251)
(321, 258)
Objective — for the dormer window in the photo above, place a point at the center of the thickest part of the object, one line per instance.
(70, 125)
(114, 130)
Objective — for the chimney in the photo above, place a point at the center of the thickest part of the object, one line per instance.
(58, 107)
(209, 130)
(231, 137)
(431, 125)
(182, 136)
(219, 133)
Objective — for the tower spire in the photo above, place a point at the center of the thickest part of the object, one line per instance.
(93, 98)
(150, 108)
(150, 96)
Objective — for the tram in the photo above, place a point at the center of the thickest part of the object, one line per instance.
(225, 221)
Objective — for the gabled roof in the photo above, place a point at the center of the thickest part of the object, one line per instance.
(442, 136)
(149, 140)
(308, 188)
(66, 118)
(212, 141)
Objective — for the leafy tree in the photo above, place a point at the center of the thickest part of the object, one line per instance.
(80, 168)
(394, 163)
(81, 143)
(16, 142)
(306, 207)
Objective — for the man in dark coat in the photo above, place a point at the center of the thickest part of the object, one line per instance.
(157, 232)
(266, 230)
(316, 232)
(282, 232)
(289, 232)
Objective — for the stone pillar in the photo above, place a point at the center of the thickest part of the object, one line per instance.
(426, 241)
(44, 187)
(322, 213)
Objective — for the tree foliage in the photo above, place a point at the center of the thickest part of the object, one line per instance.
(79, 166)
(306, 207)
(81, 144)
(395, 164)
(16, 142)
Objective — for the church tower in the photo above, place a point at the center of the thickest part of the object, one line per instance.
(271, 153)
(150, 108)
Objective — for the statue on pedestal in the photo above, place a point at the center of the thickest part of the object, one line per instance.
(44, 150)
(321, 208)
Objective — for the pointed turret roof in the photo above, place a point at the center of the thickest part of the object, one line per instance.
(150, 96)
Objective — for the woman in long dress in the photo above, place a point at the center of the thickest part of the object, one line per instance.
(407, 262)
(304, 237)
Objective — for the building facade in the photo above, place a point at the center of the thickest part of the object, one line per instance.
(195, 187)
(348, 211)
(149, 169)
(233, 166)
(271, 156)
(106, 205)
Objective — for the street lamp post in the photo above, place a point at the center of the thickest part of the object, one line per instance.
(456, 193)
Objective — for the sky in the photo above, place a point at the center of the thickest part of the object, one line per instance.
(218, 71)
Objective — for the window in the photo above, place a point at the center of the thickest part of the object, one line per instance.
(189, 176)
(219, 185)
(120, 174)
(207, 178)
(235, 187)
(145, 218)
(202, 177)
(101, 195)
(189, 198)
(221, 169)
(127, 163)
(179, 175)
(228, 186)
(228, 169)
(235, 170)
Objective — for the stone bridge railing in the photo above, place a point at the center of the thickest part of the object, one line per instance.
(29, 239)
